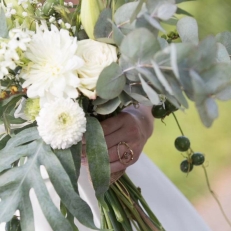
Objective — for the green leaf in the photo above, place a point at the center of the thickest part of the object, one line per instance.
(98, 159)
(225, 93)
(63, 186)
(66, 159)
(3, 24)
(161, 77)
(137, 10)
(154, 22)
(188, 30)
(108, 107)
(181, 11)
(140, 45)
(225, 39)
(111, 82)
(165, 11)
(123, 15)
(16, 182)
(216, 78)
(103, 26)
(222, 54)
(204, 56)
(152, 95)
(117, 35)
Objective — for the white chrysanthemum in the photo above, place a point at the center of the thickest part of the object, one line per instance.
(52, 71)
(61, 123)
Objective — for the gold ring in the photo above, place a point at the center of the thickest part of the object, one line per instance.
(127, 156)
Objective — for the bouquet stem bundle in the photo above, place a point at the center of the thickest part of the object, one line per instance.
(127, 209)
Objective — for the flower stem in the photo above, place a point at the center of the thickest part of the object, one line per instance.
(215, 197)
(178, 123)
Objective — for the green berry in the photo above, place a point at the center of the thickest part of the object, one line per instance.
(182, 143)
(159, 112)
(13, 224)
(197, 158)
(170, 107)
(186, 166)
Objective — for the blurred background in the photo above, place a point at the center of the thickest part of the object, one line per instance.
(213, 16)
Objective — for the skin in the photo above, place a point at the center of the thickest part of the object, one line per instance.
(133, 126)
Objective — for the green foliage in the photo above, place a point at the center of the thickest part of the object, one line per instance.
(3, 24)
(16, 182)
(98, 159)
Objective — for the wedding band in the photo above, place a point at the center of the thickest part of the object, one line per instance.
(127, 156)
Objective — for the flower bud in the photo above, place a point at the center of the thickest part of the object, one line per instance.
(90, 11)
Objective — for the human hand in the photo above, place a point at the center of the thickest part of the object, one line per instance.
(132, 126)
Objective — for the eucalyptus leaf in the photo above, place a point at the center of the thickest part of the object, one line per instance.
(211, 108)
(123, 15)
(165, 11)
(222, 54)
(111, 82)
(225, 93)
(140, 45)
(199, 88)
(225, 39)
(98, 158)
(150, 75)
(181, 11)
(3, 24)
(137, 10)
(162, 78)
(108, 107)
(204, 56)
(152, 95)
(117, 35)
(125, 99)
(103, 26)
(154, 22)
(188, 30)
(217, 77)
(207, 114)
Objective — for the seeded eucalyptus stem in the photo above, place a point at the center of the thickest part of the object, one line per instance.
(206, 178)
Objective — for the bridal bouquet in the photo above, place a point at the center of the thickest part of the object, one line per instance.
(66, 67)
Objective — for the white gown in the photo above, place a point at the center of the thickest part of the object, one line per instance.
(170, 206)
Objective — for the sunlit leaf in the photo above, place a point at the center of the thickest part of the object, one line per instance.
(111, 82)
(188, 30)
(152, 95)
(140, 45)
(108, 107)
(222, 54)
(161, 78)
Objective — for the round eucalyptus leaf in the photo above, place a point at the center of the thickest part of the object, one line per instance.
(188, 30)
(111, 82)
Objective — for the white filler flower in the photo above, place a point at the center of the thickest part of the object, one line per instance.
(61, 123)
(52, 71)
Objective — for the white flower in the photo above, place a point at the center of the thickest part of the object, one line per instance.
(18, 39)
(61, 123)
(52, 71)
(97, 56)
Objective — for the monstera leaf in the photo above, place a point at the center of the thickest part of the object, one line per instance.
(16, 181)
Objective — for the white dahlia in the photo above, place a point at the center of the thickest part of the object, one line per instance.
(51, 72)
(61, 123)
